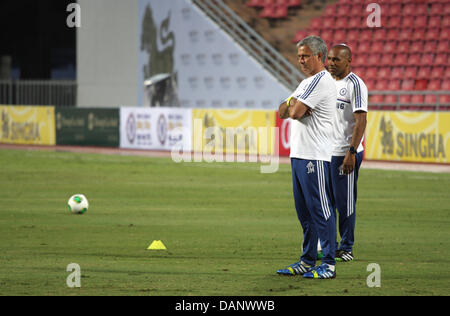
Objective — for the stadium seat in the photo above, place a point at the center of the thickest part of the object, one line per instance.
(371, 73)
(393, 35)
(328, 22)
(421, 84)
(397, 73)
(394, 9)
(379, 34)
(427, 59)
(409, 9)
(436, 9)
(355, 22)
(445, 85)
(417, 99)
(370, 84)
(442, 46)
(434, 85)
(366, 35)
(430, 99)
(444, 34)
(391, 98)
(434, 22)
(352, 35)
(373, 60)
(405, 99)
(424, 72)
(408, 85)
(403, 47)
(268, 12)
(400, 60)
(405, 34)
(377, 47)
(410, 72)
(330, 10)
(437, 72)
(394, 84)
(432, 34)
(381, 85)
(384, 72)
(414, 59)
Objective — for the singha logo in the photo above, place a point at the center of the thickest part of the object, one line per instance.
(160, 61)
(387, 137)
(5, 125)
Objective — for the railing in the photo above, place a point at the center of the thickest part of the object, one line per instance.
(252, 42)
(441, 100)
(38, 92)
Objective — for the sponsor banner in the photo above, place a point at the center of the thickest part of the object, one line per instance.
(155, 128)
(284, 144)
(234, 131)
(32, 125)
(86, 126)
(408, 136)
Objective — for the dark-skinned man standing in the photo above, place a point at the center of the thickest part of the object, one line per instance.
(349, 125)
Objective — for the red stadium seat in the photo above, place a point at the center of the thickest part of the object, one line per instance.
(427, 59)
(409, 9)
(430, 47)
(410, 72)
(377, 98)
(434, 85)
(434, 22)
(370, 84)
(384, 72)
(390, 47)
(430, 99)
(363, 48)
(342, 10)
(391, 98)
(381, 85)
(268, 12)
(352, 35)
(393, 35)
(330, 10)
(408, 85)
(373, 60)
(432, 34)
(366, 35)
(424, 72)
(379, 34)
(394, 84)
(437, 9)
(397, 73)
(355, 22)
(418, 34)
(377, 47)
(281, 12)
(328, 22)
(401, 60)
(421, 9)
(403, 47)
(447, 72)
(405, 99)
(394, 9)
(357, 10)
(444, 34)
(407, 22)
(405, 34)
(445, 22)
(440, 59)
(316, 24)
(437, 72)
(414, 59)
(371, 73)
(417, 99)
(445, 85)
(442, 46)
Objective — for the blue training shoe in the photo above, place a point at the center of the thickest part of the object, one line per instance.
(321, 272)
(298, 268)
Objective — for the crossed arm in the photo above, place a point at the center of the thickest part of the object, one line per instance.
(296, 110)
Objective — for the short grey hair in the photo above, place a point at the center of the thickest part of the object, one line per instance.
(316, 45)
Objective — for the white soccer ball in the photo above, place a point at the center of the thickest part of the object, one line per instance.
(78, 204)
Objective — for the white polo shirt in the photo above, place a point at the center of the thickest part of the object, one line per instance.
(311, 136)
(351, 97)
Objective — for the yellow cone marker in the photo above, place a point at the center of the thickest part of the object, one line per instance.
(157, 245)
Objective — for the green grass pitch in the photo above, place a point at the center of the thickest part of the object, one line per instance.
(226, 226)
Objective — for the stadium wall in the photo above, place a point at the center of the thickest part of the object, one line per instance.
(390, 136)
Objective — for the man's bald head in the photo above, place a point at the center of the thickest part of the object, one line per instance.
(339, 59)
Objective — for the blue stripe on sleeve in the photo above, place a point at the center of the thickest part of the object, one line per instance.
(311, 87)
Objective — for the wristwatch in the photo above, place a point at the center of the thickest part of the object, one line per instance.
(352, 150)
